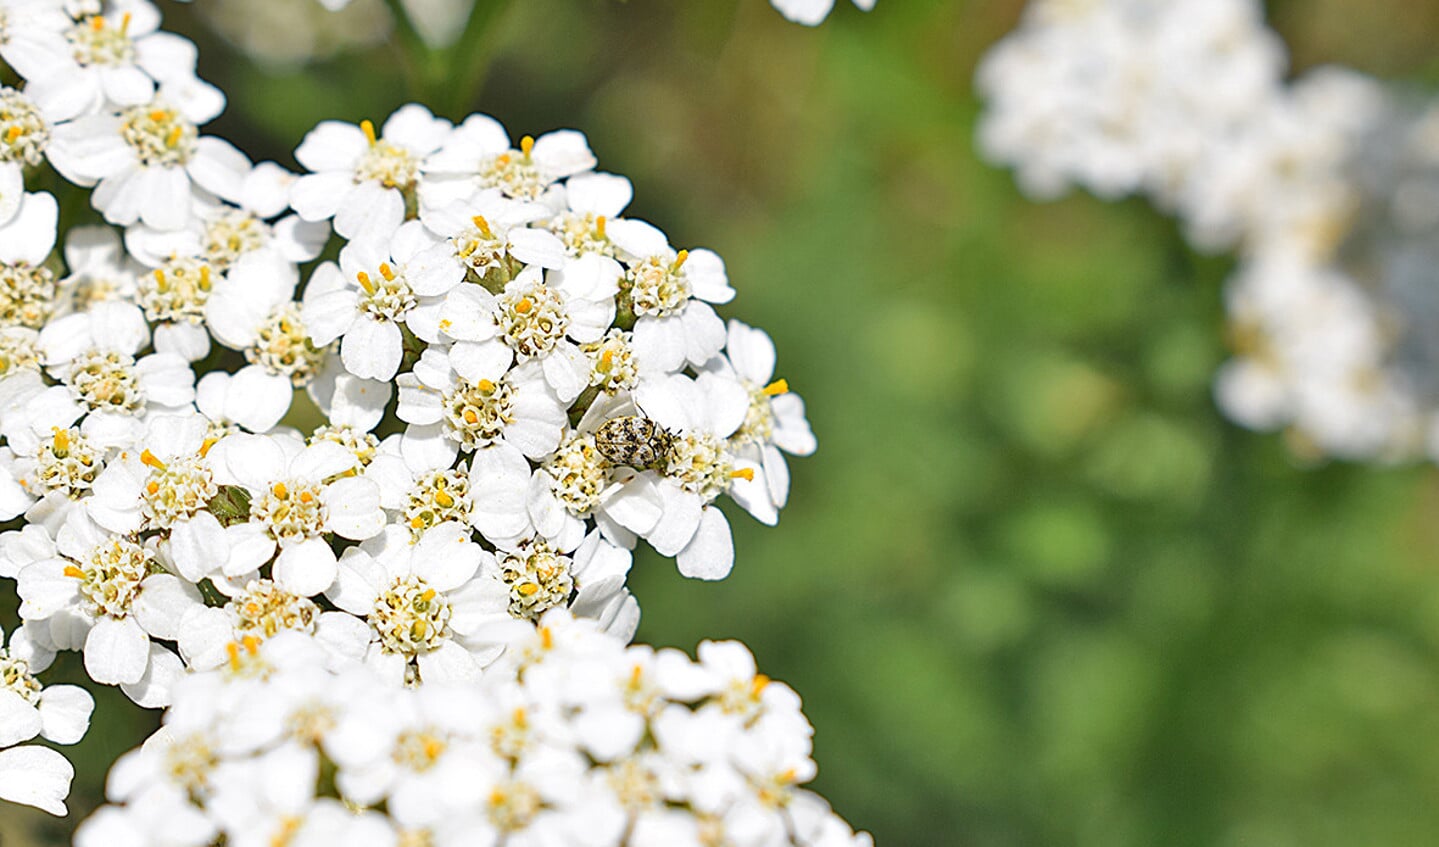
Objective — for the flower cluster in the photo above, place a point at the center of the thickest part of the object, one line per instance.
(571, 738)
(516, 383)
(1324, 186)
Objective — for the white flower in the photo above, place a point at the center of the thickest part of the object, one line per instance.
(298, 496)
(534, 319)
(360, 178)
(221, 233)
(420, 599)
(490, 232)
(381, 283)
(478, 155)
(583, 208)
(775, 421)
(669, 294)
(513, 409)
(165, 482)
(251, 310)
(577, 483)
(25, 122)
(96, 357)
(527, 578)
(113, 596)
(57, 713)
(701, 414)
(812, 12)
(147, 161)
(115, 56)
(27, 287)
(100, 270)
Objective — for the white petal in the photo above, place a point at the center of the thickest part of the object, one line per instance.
(710, 554)
(116, 651)
(307, 568)
(35, 776)
(65, 712)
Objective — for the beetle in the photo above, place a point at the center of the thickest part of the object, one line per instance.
(633, 440)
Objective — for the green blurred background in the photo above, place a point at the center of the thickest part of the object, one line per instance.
(1033, 589)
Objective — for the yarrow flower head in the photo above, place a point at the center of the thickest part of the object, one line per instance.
(570, 738)
(363, 454)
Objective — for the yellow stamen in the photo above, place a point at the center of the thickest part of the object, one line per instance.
(279, 490)
(148, 458)
(600, 226)
(528, 589)
(233, 650)
(445, 500)
(483, 226)
(364, 280)
(153, 487)
(787, 776)
(758, 685)
(428, 595)
(485, 385)
(172, 138)
(433, 748)
(547, 638)
(417, 522)
(97, 23)
(125, 24)
(72, 571)
(387, 272)
(12, 134)
(524, 306)
(160, 282)
(369, 130)
(204, 277)
(252, 644)
(607, 361)
(158, 115)
(471, 417)
(680, 259)
(746, 474)
(206, 445)
(521, 718)
(637, 673)
(62, 442)
(527, 145)
(776, 388)
(306, 497)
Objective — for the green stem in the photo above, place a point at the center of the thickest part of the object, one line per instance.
(447, 79)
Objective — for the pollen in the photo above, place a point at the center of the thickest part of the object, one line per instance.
(746, 474)
(148, 458)
(776, 388)
(527, 145)
(73, 572)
